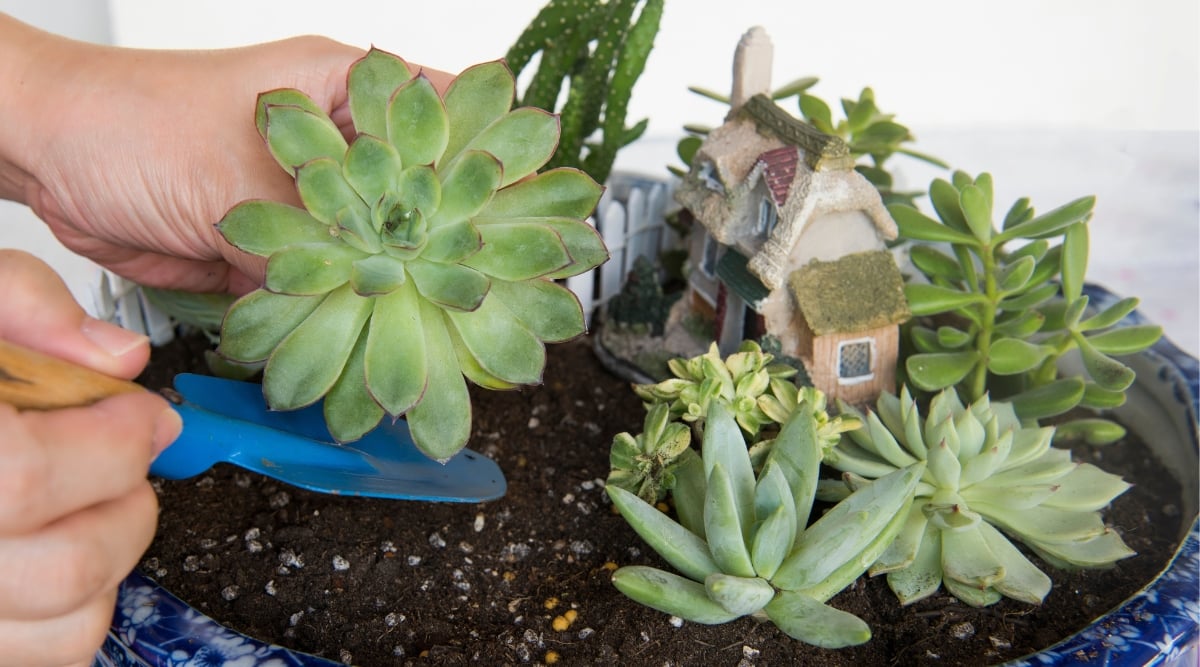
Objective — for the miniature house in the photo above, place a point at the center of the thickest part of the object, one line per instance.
(791, 241)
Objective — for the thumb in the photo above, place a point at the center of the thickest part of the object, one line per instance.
(38, 311)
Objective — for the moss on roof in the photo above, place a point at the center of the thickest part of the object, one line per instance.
(821, 151)
(858, 292)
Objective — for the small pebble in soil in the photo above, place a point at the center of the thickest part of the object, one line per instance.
(289, 558)
(279, 500)
(387, 547)
(295, 618)
(340, 564)
(676, 622)
(230, 593)
(999, 642)
(436, 541)
(414, 561)
(962, 630)
(585, 633)
(479, 522)
(345, 656)
(393, 619)
(269, 589)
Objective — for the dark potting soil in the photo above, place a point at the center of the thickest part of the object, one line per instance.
(526, 579)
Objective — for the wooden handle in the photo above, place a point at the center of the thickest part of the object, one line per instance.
(34, 381)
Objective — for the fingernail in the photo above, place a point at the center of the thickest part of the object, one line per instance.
(111, 338)
(167, 427)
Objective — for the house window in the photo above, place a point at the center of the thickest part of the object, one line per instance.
(855, 361)
(708, 174)
(768, 216)
(708, 262)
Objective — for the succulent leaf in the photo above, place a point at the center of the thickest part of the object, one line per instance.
(452, 243)
(812, 622)
(325, 192)
(441, 422)
(503, 347)
(262, 227)
(371, 82)
(396, 370)
(417, 124)
(477, 97)
(670, 594)
(519, 251)
(549, 310)
(467, 187)
(256, 323)
(349, 409)
(296, 135)
(370, 167)
(681, 548)
(723, 527)
(738, 595)
(310, 269)
(452, 286)
(923, 577)
(377, 274)
(562, 193)
(523, 140)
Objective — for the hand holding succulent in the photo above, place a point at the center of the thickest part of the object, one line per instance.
(426, 251)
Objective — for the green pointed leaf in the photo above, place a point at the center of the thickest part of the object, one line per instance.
(326, 193)
(519, 251)
(924, 299)
(397, 367)
(903, 550)
(257, 322)
(350, 411)
(1093, 431)
(1009, 356)
(311, 268)
(945, 199)
(310, 359)
(1016, 276)
(1048, 400)
(281, 97)
(1105, 371)
(523, 140)
(1050, 224)
(1101, 551)
(1126, 340)
(296, 136)
(549, 310)
(371, 82)
(452, 243)
(1099, 398)
(967, 559)
(1087, 489)
(475, 372)
(1030, 299)
(937, 370)
(1022, 579)
(377, 274)
(417, 125)
(562, 192)
(677, 545)
(690, 489)
(738, 595)
(724, 445)
(816, 623)
(950, 338)
(971, 595)
(262, 227)
(440, 423)
(723, 527)
(477, 97)
(1046, 525)
(467, 187)
(420, 188)
(817, 112)
(371, 167)
(497, 340)
(935, 263)
(916, 226)
(852, 569)
(977, 211)
(670, 594)
(923, 577)
(584, 244)
(1110, 315)
(1019, 212)
(453, 286)
(776, 531)
(1074, 260)
(1023, 325)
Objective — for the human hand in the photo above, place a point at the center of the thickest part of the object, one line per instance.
(131, 156)
(76, 510)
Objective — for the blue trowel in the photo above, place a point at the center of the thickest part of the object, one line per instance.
(228, 421)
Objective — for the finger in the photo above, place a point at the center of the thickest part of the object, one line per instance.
(71, 639)
(60, 461)
(38, 311)
(60, 568)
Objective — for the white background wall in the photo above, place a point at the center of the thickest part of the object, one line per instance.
(1057, 98)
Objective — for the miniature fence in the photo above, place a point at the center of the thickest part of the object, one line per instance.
(630, 218)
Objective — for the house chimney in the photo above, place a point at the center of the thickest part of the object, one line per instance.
(751, 67)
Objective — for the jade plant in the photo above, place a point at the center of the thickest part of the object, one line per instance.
(425, 253)
(597, 49)
(1009, 303)
(743, 545)
(986, 479)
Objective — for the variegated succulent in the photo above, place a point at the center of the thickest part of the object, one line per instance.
(645, 463)
(987, 478)
(743, 543)
(426, 251)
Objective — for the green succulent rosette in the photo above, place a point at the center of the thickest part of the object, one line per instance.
(426, 252)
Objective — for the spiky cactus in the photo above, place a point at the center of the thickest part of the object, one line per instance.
(426, 251)
(987, 478)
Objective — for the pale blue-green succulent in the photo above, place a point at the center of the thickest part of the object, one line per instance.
(743, 544)
(987, 478)
(426, 250)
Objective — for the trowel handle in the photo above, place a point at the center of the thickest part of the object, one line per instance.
(32, 380)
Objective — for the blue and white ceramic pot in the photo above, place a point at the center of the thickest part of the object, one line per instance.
(1157, 626)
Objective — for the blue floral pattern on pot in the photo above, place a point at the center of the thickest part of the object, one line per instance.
(1160, 625)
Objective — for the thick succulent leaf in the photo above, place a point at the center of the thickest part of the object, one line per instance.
(1022, 579)
(523, 140)
(852, 569)
(1111, 315)
(816, 623)
(1102, 551)
(738, 595)
(690, 489)
(584, 244)
(441, 423)
(977, 211)
(262, 227)
(296, 136)
(310, 359)
(776, 528)
(925, 299)
(946, 202)
(311, 268)
(951, 338)
(885, 444)
(1052, 223)
(1049, 399)
(371, 167)
(1030, 299)
(683, 549)
(417, 125)
(562, 192)
(1074, 260)
(967, 559)
(372, 80)
(377, 274)
(845, 531)
(937, 370)
(419, 188)
(1126, 340)
(1099, 398)
(1024, 325)
(397, 367)
(1046, 525)
(917, 226)
(281, 97)
(1087, 488)
(923, 577)
(1093, 431)
(723, 527)
(519, 251)
(670, 594)
(350, 411)
(503, 347)
(850, 458)
(452, 243)
(257, 322)
(797, 453)
(972, 595)
(325, 192)
(1107, 372)
(1017, 497)
(477, 97)
(935, 263)
(549, 310)
(467, 187)
(902, 552)
(475, 372)
(725, 446)
(452, 286)
(1015, 277)
(944, 465)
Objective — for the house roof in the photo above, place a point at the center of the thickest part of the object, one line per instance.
(731, 269)
(858, 292)
(821, 151)
(780, 171)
